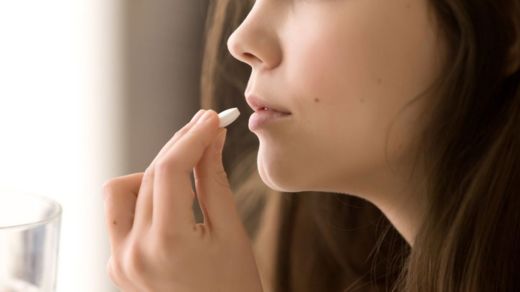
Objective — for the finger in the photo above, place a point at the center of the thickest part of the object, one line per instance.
(213, 190)
(120, 196)
(179, 134)
(144, 210)
(173, 193)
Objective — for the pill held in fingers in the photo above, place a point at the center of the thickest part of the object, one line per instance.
(228, 116)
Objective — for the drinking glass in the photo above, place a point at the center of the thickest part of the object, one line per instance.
(29, 241)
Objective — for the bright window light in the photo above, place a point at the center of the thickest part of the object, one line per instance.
(60, 121)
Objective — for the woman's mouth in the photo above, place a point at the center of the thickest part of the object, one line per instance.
(265, 112)
(265, 116)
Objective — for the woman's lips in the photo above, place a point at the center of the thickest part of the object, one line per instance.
(258, 104)
(263, 117)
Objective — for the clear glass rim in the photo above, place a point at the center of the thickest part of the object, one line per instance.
(56, 213)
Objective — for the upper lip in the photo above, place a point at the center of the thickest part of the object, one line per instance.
(257, 104)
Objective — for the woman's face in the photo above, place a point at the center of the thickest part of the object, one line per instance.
(344, 69)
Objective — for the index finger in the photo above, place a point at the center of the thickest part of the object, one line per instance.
(173, 192)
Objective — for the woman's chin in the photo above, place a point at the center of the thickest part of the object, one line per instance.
(277, 177)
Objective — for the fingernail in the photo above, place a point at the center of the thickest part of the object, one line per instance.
(204, 117)
(197, 115)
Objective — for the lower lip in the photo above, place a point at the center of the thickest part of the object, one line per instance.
(261, 118)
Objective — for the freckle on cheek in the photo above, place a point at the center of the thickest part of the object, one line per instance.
(114, 222)
(379, 81)
(316, 100)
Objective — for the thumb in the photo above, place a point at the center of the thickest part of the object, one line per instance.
(213, 190)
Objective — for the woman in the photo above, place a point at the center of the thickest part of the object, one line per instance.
(412, 105)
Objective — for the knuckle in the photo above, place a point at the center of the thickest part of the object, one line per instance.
(112, 187)
(195, 140)
(166, 242)
(109, 186)
(134, 263)
(180, 133)
(166, 165)
(114, 270)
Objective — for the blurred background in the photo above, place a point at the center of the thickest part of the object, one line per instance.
(90, 90)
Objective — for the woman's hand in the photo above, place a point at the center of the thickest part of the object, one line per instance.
(162, 248)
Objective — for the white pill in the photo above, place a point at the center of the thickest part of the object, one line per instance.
(228, 116)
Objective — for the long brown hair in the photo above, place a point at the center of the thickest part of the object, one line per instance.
(470, 240)
(471, 234)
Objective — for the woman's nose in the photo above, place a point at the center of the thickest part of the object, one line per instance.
(255, 43)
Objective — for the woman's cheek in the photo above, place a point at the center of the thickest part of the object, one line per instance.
(327, 78)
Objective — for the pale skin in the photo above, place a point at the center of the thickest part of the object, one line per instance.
(344, 69)
(161, 247)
